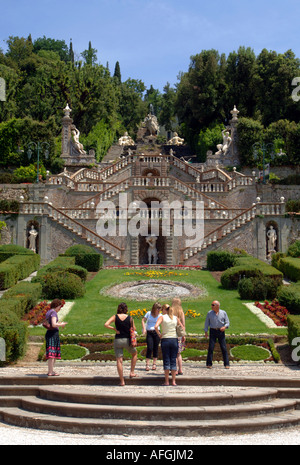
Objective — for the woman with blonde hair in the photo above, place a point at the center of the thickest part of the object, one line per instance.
(152, 338)
(178, 311)
(169, 341)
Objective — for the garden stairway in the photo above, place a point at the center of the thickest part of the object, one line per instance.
(49, 403)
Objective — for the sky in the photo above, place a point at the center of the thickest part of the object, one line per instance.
(153, 40)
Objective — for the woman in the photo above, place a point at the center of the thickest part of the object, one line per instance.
(169, 341)
(52, 336)
(152, 338)
(178, 311)
(123, 323)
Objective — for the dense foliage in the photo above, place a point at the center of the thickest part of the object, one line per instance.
(42, 76)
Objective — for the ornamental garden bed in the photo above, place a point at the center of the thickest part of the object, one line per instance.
(99, 349)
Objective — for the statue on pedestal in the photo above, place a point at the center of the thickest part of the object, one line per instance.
(152, 250)
(272, 238)
(223, 148)
(32, 238)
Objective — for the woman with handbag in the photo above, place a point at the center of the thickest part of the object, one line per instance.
(52, 335)
(152, 338)
(178, 311)
(124, 326)
(169, 341)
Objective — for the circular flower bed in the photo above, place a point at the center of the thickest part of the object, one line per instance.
(154, 290)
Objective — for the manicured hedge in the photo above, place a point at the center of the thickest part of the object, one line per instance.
(293, 327)
(220, 260)
(21, 298)
(249, 267)
(62, 285)
(17, 267)
(290, 267)
(14, 333)
(85, 256)
(289, 297)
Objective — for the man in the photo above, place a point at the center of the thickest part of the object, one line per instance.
(218, 321)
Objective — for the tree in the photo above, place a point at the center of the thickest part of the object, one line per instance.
(166, 116)
(58, 46)
(90, 55)
(117, 73)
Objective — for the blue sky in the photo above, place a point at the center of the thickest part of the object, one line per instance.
(154, 39)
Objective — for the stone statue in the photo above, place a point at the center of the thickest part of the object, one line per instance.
(151, 124)
(223, 148)
(32, 239)
(272, 238)
(76, 135)
(234, 113)
(126, 140)
(176, 140)
(152, 250)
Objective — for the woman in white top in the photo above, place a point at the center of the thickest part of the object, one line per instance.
(152, 338)
(169, 341)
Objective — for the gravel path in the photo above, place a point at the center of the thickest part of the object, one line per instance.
(23, 436)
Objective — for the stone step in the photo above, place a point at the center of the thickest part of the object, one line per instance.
(18, 417)
(158, 413)
(159, 400)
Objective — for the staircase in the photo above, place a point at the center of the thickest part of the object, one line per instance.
(36, 402)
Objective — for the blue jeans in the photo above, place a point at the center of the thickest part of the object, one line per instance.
(215, 334)
(169, 349)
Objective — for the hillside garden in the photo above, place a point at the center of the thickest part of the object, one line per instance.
(23, 305)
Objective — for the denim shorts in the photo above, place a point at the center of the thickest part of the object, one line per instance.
(169, 349)
(120, 344)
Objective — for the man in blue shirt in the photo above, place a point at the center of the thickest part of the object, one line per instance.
(217, 320)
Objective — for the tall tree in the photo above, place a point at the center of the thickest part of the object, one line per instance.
(90, 55)
(117, 73)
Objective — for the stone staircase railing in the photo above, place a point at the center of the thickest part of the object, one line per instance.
(265, 209)
(57, 215)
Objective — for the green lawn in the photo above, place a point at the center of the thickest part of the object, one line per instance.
(90, 312)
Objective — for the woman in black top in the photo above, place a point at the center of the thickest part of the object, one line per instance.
(122, 322)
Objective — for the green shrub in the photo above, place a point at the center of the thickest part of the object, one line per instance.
(231, 277)
(220, 260)
(294, 249)
(289, 297)
(257, 288)
(290, 267)
(276, 257)
(85, 256)
(77, 270)
(62, 285)
(26, 293)
(247, 267)
(293, 327)
(26, 264)
(14, 333)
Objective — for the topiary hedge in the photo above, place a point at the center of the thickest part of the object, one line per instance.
(290, 267)
(249, 267)
(14, 333)
(17, 267)
(85, 256)
(21, 298)
(293, 327)
(62, 285)
(257, 288)
(289, 297)
(220, 260)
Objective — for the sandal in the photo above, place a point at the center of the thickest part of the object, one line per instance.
(52, 374)
(147, 368)
(154, 366)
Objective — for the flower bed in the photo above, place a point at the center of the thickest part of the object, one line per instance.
(140, 313)
(101, 349)
(275, 311)
(37, 314)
